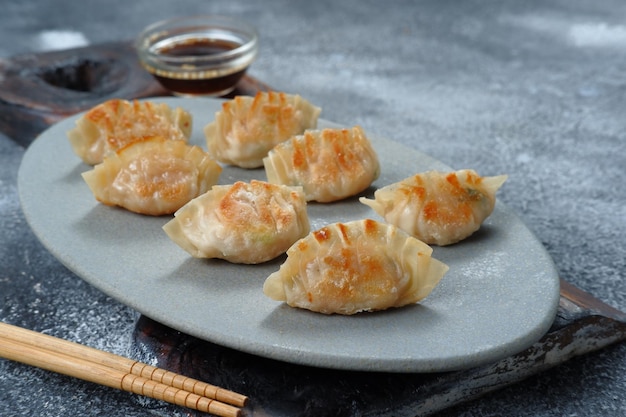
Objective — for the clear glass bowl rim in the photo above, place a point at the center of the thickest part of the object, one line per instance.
(228, 24)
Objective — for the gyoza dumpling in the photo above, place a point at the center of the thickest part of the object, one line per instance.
(439, 208)
(115, 123)
(330, 164)
(248, 127)
(154, 176)
(346, 268)
(242, 223)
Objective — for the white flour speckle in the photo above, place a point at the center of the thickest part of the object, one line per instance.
(581, 34)
(60, 39)
(598, 34)
(523, 158)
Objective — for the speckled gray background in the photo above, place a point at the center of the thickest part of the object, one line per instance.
(534, 89)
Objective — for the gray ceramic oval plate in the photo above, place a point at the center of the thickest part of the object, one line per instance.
(499, 296)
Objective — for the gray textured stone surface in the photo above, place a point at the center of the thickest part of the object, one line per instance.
(533, 89)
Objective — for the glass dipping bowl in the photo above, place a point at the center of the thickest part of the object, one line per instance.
(199, 55)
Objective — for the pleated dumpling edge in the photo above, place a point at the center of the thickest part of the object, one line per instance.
(353, 267)
(439, 208)
(246, 128)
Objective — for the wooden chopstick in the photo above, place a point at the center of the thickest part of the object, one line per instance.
(80, 361)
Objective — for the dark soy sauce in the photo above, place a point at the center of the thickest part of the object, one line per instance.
(202, 82)
(199, 47)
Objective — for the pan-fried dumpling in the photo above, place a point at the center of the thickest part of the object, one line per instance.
(246, 128)
(155, 176)
(439, 208)
(347, 268)
(330, 164)
(245, 223)
(115, 123)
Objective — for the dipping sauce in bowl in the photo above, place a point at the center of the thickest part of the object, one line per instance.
(198, 56)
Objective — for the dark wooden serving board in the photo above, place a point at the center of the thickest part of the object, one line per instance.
(36, 90)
